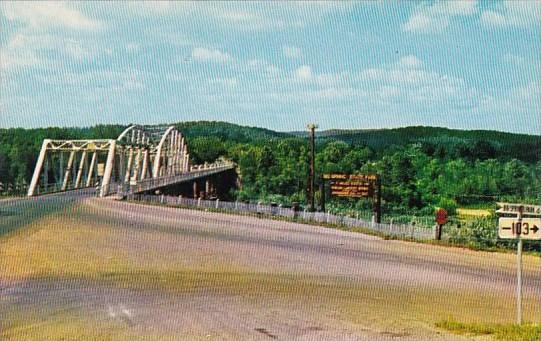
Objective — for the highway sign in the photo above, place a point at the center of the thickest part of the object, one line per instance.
(512, 228)
(508, 208)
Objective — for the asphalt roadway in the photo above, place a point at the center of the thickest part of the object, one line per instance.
(141, 272)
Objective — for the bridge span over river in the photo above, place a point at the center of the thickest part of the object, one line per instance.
(141, 159)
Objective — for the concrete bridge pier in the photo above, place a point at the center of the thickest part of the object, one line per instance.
(207, 188)
(195, 192)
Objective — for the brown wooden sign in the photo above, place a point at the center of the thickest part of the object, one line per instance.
(354, 189)
(355, 186)
(351, 185)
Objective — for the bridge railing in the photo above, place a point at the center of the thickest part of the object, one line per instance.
(397, 230)
(195, 172)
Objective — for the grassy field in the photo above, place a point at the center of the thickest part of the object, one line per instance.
(503, 332)
(473, 212)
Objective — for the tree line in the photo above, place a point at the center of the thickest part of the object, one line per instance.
(443, 169)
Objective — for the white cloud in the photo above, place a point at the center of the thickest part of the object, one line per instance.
(408, 81)
(210, 55)
(292, 52)
(303, 73)
(263, 67)
(405, 83)
(332, 79)
(513, 59)
(132, 47)
(410, 61)
(456, 7)
(44, 50)
(16, 54)
(421, 22)
(513, 13)
(44, 14)
(230, 82)
(524, 102)
(274, 15)
(99, 80)
(245, 15)
(38, 41)
(436, 17)
(491, 18)
(531, 91)
(76, 50)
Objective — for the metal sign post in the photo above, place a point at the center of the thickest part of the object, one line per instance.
(519, 270)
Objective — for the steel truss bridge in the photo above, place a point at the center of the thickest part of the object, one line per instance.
(141, 159)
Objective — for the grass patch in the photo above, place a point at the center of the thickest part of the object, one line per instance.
(503, 332)
(472, 212)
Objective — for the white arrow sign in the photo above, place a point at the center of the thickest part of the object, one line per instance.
(509, 208)
(528, 228)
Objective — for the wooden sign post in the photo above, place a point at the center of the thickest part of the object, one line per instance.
(441, 219)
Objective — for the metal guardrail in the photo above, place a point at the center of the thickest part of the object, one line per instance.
(396, 230)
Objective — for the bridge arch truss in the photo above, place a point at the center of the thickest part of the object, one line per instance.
(139, 153)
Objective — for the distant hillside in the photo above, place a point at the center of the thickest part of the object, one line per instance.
(508, 145)
(503, 145)
(227, 131)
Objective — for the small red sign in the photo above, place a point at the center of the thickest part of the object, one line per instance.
(441, 216)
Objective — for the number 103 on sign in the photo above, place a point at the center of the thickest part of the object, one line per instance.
(512, 228)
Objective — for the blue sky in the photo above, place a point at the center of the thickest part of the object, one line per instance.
(281, 65)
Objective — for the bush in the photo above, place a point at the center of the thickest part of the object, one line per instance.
(450, 205)
(478, 233)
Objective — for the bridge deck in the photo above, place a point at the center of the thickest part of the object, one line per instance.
(155, 183)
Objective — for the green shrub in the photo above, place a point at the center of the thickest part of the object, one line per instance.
(450, 205)
(478, 233)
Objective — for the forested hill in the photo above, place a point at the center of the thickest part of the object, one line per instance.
(473, 144)
(228, 131)
(488, 143)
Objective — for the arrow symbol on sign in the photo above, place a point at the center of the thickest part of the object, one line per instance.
(535, 229)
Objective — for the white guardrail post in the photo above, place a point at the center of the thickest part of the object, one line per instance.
(392, 228)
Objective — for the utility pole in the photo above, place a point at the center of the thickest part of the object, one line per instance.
(311, 178)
